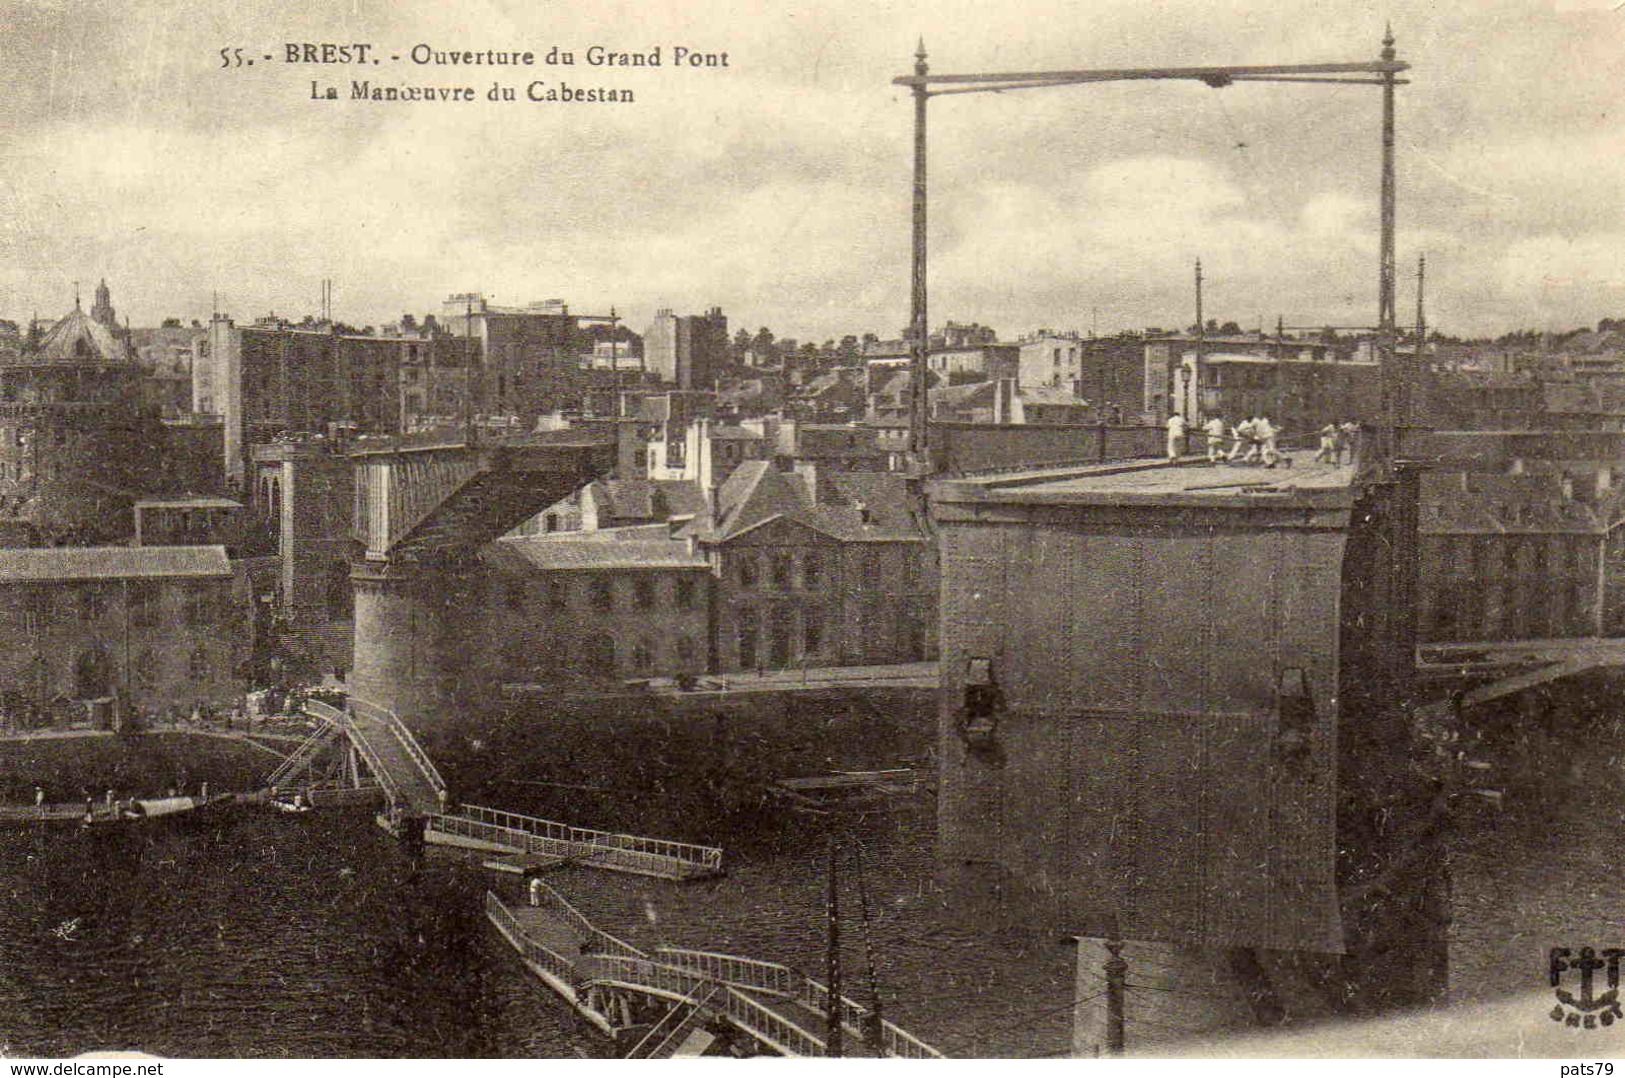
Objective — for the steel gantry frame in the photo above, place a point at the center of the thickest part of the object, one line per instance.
(1382, 73)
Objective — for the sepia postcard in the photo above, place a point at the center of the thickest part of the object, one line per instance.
(1045, 530)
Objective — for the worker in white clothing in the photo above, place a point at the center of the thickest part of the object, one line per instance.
(1176, 436)
(1327, 453)
(1264, 435)
(1213, 429)
(1242, 437)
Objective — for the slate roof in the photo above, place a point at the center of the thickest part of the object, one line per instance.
(648, 499)
(78, 338)
(22, 565)
(199, 502)
(539, 552)
(757, 493)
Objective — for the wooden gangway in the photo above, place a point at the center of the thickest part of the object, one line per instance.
(519, 835)
(779, 1008)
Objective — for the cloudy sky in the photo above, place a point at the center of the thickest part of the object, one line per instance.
(778, 187)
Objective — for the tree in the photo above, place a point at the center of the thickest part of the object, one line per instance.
(170, 323)
(408, 324)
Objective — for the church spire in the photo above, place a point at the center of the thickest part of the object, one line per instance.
(103, 311)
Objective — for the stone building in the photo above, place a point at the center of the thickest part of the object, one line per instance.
(1515, 557)
(303, 492)
(77, 441)
(275, 377)
(817, 568)
(688, 351)
(1300, 383)
(96, 634)
(586, 611)
(1104, 371)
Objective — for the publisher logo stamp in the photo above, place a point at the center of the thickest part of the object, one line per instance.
(1575, 983)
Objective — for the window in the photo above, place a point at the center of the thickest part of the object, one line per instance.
(143, 603)
(643, 591)
(37, 612)
(92, 602)
(812, 631)
(812, 571)
(603, 593)
(911, 636)
(687, 593)
(198, 604)
(781, 572)
(514, 593)
(869, 567)
(747, 570)
(688, 653)
(558, 594)
(597, 655)
(146, 671)
(197, 666)
(643, 657)
(747, 644)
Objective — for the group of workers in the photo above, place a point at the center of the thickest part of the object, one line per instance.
(1254, 439)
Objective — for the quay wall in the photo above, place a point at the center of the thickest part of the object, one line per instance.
(132, 765)
(688, 768)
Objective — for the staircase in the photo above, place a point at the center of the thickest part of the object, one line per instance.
(678, 1035)
(392, 754)
(304, 755)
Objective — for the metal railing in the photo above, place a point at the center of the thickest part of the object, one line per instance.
(768, 977)
(404, 736)
(675, 1024)
(757, 1019)
(319, 710)
(639, 973)
(901, 1044)
(629, 850)
(855, 1017)
(303, 754)
(545, 957)
(682, 973)
(544, 897)
(770, 1026)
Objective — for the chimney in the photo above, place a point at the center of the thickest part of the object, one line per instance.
(808, 471)
(1003, 390)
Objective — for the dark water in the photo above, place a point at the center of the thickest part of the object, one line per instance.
(257, 935)
(251, 935)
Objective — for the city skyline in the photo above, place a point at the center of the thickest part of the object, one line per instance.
(777, 188)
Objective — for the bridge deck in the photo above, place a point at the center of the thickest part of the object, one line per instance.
(512, 833)
(780, 1008)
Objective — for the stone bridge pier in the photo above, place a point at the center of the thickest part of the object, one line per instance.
(424, 507)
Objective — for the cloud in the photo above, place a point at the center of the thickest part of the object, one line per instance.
(778, 188)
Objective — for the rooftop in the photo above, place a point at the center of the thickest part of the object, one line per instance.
(199, 502)
(1188, 482)
(20, 565)
(540, 552)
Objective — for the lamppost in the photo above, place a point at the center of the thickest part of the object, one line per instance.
(1382, 73)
